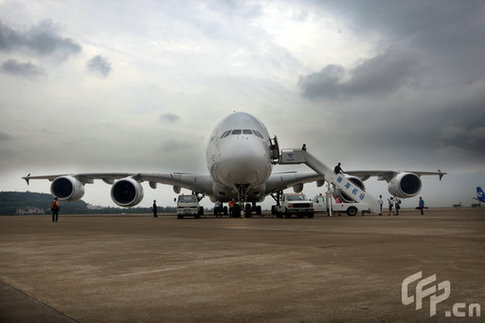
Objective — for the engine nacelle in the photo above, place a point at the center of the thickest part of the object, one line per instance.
(127, 192)
(67, 188)
(344, 197)
(405, 185)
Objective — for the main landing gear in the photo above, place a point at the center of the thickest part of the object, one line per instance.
(277, 197)
(246, 209)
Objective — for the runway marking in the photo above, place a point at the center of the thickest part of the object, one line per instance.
(39, 302)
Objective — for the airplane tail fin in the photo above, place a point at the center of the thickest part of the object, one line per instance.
(480, 195)
(441, 174)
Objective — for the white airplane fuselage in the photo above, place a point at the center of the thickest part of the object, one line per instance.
(239, 155)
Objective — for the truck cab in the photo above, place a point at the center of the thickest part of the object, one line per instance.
(295, 204)
(188, 205)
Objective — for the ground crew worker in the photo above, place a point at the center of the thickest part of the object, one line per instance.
(397, 203)
(217, 209)
(421, 205)
(231, 207)
(391, 204)
(380, 204)
(155, 209)
(337, 169)
(55, 210)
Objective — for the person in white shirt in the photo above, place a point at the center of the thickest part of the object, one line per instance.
(397, 203)
(380, 204)
(391, 204)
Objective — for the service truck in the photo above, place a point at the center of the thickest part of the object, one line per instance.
(351, 209)
(294, 204)
(188, 205)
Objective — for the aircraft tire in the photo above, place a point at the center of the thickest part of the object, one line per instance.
(247, 211)
(236, 212)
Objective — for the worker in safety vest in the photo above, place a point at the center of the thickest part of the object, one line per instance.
(231, 207)
(55, 210)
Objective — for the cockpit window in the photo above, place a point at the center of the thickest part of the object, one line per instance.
(241, 131)
(225, 134)
(256, 132)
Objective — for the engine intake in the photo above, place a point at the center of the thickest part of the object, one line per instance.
(67, 188)
(127, 192)
(405, 185)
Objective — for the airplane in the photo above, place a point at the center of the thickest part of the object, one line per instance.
(480, 197)
(240, 157)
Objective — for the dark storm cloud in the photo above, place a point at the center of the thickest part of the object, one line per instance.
(450, 31)
(14, 67)
(422, 91)
(379, 75)
(169, 118)
(41, 39)
(426, 39)
(99, 65)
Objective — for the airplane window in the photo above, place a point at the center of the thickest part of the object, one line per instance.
(257, 133)
(247, 132)
(236, 132)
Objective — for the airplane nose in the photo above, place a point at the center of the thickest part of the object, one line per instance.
(244, 164)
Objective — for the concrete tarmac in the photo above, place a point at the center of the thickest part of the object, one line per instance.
(140, 268)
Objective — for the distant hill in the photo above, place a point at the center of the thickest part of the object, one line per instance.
(11, 201)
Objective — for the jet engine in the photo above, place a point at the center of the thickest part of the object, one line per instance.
(344, 197)
(404, 185)
(67, 188)
(127, 192)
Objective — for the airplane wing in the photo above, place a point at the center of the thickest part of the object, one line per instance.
(195, 183)
(387, 175)
(280, 181)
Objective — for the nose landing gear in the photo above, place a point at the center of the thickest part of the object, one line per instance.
(247, 208)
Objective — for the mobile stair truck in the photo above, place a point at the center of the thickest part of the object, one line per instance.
(338, 181)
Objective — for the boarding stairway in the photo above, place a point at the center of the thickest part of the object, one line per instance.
(339, 181)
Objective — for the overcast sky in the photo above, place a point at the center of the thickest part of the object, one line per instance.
(138, 86)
